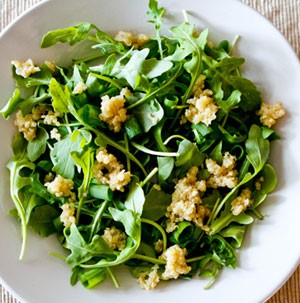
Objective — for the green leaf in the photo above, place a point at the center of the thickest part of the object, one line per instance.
(135, 198)
(229, 64)
(17, 183)
(251, 96)
(60, 97)
(61, 158)
(232, 101)
(132, 225)
(90, 115)
(85, 161)
(156, 204)
(81, 251)
(148, 114)
(236, 233)
(257, 148)
(72, 35)
(165, 167)
(42, 77)
(133, 68)
(102, 192)
(153, 68)
(37, 147)
(189, 155)
(93, 277)
(12, 105)
(41, 219)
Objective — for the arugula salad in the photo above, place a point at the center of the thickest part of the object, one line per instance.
(150, 153)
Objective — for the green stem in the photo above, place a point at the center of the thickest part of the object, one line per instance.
(106, 79)
(157, 91)
(127, 148)
(97, 218)
(161, 230)
(150, 175)
(113, 277)
(174, 137)
(57, 255)
(148, 259)
(153, 152)
(257, 213)
(195, 259)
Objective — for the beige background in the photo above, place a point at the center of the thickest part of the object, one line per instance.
(284, 14)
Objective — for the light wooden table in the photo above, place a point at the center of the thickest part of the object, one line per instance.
(285, 15)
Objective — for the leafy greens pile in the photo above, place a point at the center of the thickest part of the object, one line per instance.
(153, 144)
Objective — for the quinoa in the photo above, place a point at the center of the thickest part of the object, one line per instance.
(67, 215)
(270, 113)
(25, 68)
(149, 280)
(60, 187)
(242, 202)
(107, 170)
(176, 262)
(224, 175)
(129, 39)
(201, 109)
(114, 237)
(113, 111)
(186, 201)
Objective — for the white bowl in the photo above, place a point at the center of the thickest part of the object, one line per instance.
(271, 250)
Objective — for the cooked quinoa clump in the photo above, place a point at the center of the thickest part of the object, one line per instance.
(115, 238)
(202, 109)
(270, 113)
(186, 203)
(107, 170)
(129, 39)
(25, 68)
(242, 202)
(67, 215)
(149, 280)
(224, 175)
(113, 110)
(176, 263)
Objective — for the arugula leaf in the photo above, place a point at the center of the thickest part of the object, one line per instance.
(165, 167)
(132, 224)
(60, 97)
(72, 35)
(135, 198)
(189, 155)
(157, 17)
(38, 145)
(257, 148)
(148, 114)
(81, 251)
(60, 155)
(156, 204)
(85, 161)
(17, 183)
(41, 219)
(12, 105)
(133, 68)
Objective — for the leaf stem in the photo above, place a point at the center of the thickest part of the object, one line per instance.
(157, 91)
(106, 79)
(97, 218)
(161, 230)
(153, 152)
(173, 137)
(148, 259)
(113, 277)
(150, 175)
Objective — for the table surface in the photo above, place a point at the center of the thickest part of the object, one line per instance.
(284, 14)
